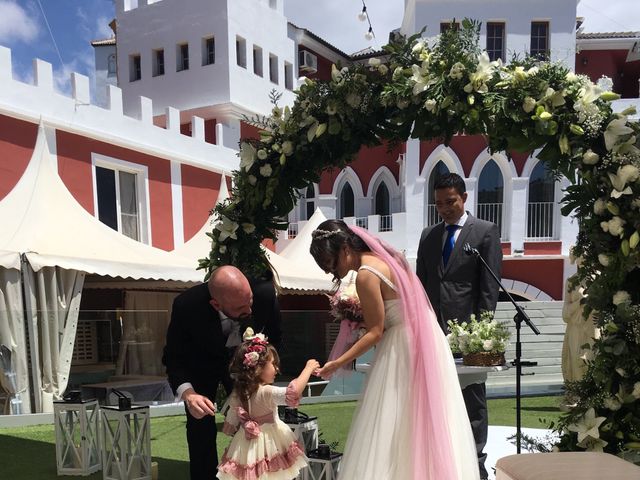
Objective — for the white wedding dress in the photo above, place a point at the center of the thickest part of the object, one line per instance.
(379, 444)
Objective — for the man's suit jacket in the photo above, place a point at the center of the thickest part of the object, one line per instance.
(464, 286)
(195, 350)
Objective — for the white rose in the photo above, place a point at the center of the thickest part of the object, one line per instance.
(457, 71)
(266, 170)
(287, 148)
(629, 174)
(222, 249)
(621, 296)
(353, 99)
(616, 225)
(430, 105)
(612, 404)
(487, 345)
(603, 259)
(262, 154)
(590, 157)
(252, 179)
(600, 207)
(374, 62)
(528, 104)
(636, 390)
(383, 69)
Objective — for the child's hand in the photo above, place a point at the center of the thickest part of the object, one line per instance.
(312, 365)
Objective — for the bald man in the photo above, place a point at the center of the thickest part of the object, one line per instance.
(197, 355)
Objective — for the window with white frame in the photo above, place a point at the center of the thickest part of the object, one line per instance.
(120, 196)
(541, 205)
(208, 51)
(257, 60)
(346, 202)
(135, 68)
(241, 52)
(182, 57)
(491, 195)
(439, 170)
(495, 41)
(539, 40)
(382, 200)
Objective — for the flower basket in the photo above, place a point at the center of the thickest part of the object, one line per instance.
(483, 359)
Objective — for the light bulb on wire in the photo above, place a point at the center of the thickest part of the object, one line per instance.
(362, 16)
(369, 34)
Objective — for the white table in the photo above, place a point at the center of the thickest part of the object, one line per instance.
(466, 374)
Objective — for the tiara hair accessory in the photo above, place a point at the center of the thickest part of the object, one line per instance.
(319, 234)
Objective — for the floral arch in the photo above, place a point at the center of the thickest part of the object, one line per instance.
(437, 90)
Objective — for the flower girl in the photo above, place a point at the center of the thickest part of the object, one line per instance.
(263, 447)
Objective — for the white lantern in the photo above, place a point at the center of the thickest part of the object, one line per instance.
(323, 467)
(126, 443)
(76, 427)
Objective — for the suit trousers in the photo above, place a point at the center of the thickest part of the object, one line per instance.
(475, 399)
(203, 452)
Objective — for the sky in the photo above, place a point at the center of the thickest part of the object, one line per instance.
(60, 31)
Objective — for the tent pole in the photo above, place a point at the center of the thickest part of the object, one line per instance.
(32, 328)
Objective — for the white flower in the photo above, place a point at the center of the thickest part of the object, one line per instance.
(484, 71)
(374, 62)
(227, 229)
(603, 259)
(600, 207)
(353, 99)
(338, 75)
(612, 404)
(420, 78)
(590, 157)
(252, 179)
(430, 105)
(593, 444)
(262, 154)
(621, 372)
(528, 104)
(248, 228)
(222, 249)
(287, 147)
(616, 128)
(614, 226)
(266, 170)
(636, 390)
(605, 83)
(457, 71)
(588, 426)
(624, 175)
(247, 156)
(621, 296)
(418, 47)
(487, 345)
(383, 69)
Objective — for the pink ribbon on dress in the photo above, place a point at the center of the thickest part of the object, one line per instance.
(252, 425)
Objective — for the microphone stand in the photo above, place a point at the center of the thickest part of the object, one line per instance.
(519, 317)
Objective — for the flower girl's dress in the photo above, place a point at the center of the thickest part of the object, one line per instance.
(263, 446)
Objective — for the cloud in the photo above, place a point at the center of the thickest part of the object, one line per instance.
(16, 24)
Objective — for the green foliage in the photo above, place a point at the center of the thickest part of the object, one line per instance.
(447, 87)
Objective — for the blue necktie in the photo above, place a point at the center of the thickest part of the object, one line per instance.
(449, 243)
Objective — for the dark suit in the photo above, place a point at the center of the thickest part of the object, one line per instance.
(195, 353)
(461, 288)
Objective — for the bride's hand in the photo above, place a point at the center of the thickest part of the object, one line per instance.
(328, 369)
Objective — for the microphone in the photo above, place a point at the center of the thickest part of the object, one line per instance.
(469, 250)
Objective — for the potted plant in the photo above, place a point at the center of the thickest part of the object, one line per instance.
(481, 342)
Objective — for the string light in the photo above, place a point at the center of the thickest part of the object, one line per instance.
(362, 16)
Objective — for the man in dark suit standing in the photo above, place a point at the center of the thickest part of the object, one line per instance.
(457, 284)
(197, 351)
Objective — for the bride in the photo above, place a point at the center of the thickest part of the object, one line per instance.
(411, 421)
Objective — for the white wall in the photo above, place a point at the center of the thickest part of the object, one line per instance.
(516, 14)
(103, 78)
(164, 24)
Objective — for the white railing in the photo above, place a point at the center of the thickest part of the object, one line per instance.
(386, 223)
(492, 212)
(312, 384)
(540, 221)
(292, 231)
(432, 215)
(362, 222)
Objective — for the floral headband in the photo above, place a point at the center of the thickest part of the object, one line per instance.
(257, 346)
(319, 234)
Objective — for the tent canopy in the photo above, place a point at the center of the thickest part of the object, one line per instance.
(42, 220)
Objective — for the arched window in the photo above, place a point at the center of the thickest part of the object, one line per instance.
(438, 171)
(541, 203)
(309, 203)
(491, 194)
(347, 202)
(111, 65)
(383, 202)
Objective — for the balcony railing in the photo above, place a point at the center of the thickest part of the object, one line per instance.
(362, 222)
(386, 223)
(492, 212)
(292, 231)
(540, 221)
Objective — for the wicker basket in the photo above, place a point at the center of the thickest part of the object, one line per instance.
(483, 359)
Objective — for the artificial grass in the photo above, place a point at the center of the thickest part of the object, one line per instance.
(29, 452)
